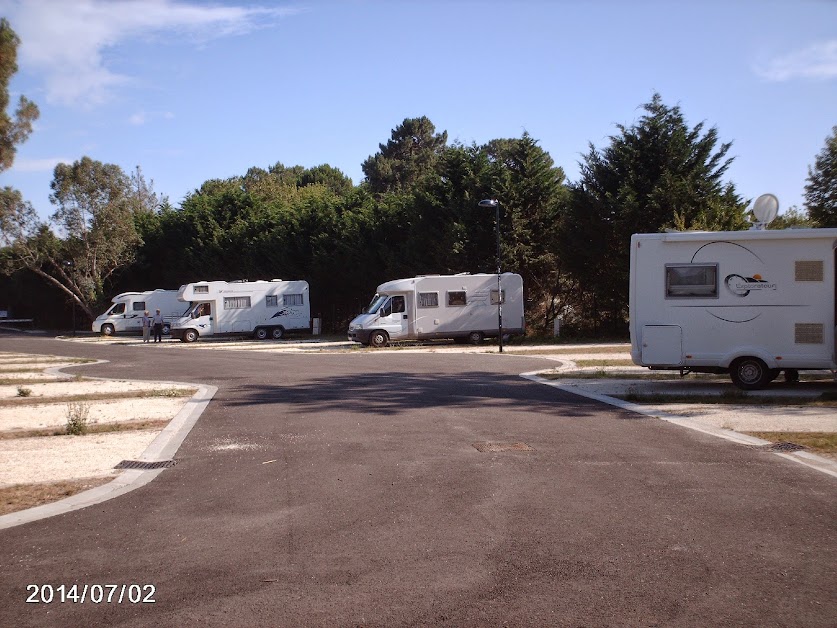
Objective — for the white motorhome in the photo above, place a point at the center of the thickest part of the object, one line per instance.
(261, 309)
(462, 307)
(748, 303)
(125, 315)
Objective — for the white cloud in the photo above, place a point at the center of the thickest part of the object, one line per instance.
(66, 40)
(817, 61)
(141, 117)
(40, 165)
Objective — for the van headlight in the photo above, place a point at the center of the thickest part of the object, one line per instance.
(355, 327)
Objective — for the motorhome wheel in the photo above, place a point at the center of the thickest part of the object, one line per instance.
(379, 339)
(475, 337)
(107, 329)
(791, 375)
(260, 333)
(749, 373)
(278, 333)
(166, 328)
(190, 335)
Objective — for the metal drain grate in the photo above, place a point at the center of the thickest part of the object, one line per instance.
(785, 446)
(142, 464)
(497, 447)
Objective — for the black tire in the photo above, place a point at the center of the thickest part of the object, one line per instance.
(166, 328)
(791, 375)
(476, 337)
(277, 333)
(749, 373)
(379, 338)
(260, 333)
(774, 373)
(108, 330)
(190, 335)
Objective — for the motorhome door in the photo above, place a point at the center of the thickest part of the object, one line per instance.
(393, 316)
(203, 319)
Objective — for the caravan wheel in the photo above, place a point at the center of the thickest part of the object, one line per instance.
(278, 333)
(190, 335)
(749, 373)
(260, 333)
(166, 328)
(379, 339)
(475, 337)
(107, 330)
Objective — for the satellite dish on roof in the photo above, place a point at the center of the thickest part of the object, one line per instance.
(765, 208)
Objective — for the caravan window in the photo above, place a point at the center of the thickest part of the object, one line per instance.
(202, 289)
(236, 303)
(138, 306)
(691, 281)
(291, 299)
(494, 299)
(428, 299)
(457, 297)
(271, 300)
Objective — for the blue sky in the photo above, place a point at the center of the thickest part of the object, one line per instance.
(192, 91)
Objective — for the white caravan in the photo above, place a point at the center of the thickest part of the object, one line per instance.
(262, 309)
(748, 303)
(125, 315)
(462, 307)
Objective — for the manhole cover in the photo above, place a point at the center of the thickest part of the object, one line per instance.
(490, 447)
(142, 464)
(785, 446)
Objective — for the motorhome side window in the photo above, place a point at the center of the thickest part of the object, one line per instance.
(236, 303)
(272, 300)
(457, 297)
(428, 299)
(494, 299)
(201, 289)
(691, 281)
(292, 299)
(138, 306)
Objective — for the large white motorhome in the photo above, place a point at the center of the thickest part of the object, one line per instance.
(462, 307)
(125, 315)
(748, 303)
(261, 309)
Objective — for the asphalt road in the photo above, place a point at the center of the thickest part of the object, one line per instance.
(345, 490)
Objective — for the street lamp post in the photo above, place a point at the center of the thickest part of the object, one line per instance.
(496, 205)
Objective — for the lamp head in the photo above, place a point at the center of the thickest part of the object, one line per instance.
(489, 202)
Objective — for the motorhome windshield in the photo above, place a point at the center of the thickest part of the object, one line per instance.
(376, 303)
(118, 308)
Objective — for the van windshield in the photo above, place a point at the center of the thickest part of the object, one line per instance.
(118, 308)
(376, 303)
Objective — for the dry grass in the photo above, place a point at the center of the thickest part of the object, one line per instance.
(23, 496)
(817, 442)
(92, 428)
(140, 394)
(603, 363)
(576, 350)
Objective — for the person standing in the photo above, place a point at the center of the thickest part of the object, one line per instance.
(158, 326)
(146, 326)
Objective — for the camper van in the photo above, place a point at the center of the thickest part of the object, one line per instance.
(749, 303)
(261, 309)
(463, 307)
(125, 315)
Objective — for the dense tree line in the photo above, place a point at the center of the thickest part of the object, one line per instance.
(416, 212)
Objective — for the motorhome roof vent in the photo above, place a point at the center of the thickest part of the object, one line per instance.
(276, 280)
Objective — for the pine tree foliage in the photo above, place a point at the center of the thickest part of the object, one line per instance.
(821, 186)
(15, 129)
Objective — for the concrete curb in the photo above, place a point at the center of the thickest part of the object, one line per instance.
(163, 447)
(805, 458)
